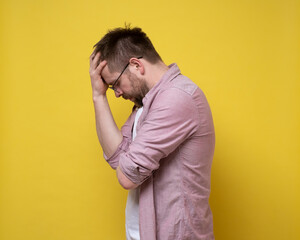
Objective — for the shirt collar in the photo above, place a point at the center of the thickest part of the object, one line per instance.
(173, 72)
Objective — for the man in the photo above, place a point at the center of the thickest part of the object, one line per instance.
(164, 151)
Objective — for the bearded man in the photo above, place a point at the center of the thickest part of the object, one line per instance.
(164, 151)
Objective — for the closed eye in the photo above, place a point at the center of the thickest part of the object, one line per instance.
(103, 79)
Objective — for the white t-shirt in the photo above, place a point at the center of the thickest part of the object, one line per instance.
(132, 205)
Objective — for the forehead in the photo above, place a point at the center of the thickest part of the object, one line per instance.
(108, 76)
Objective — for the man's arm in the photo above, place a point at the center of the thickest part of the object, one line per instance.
(108, 133)
(109, 136)
(124, 181)
(173, 118)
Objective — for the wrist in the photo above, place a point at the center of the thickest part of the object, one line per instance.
(99, 97)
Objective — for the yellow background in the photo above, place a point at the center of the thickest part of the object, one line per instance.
(245, 55)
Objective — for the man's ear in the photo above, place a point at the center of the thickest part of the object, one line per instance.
(137, 65)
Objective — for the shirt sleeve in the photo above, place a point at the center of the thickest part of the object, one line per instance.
(172, 118)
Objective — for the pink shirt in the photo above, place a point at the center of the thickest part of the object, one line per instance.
(171, 159)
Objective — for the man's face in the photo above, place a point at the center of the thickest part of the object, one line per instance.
(138, 91)
(129, 85)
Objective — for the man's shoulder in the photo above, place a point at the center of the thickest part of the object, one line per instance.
(180, 87)
(184, 84)
(181, 93)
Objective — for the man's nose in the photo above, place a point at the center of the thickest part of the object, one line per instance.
(118, 93)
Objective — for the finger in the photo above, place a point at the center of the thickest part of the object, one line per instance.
(94, 59)
(92, 56)
(101, 66)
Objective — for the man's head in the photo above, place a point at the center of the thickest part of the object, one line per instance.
(121, 44)
(133, 65)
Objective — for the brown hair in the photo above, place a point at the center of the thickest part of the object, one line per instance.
(121, 44)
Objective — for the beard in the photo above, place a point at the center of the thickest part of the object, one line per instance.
(139, 90)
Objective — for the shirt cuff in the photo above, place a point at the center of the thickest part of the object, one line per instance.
(113, 160)
(132, 171)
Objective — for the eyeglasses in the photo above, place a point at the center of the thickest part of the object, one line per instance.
(112, 86)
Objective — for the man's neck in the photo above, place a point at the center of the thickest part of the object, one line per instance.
(156, 72)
